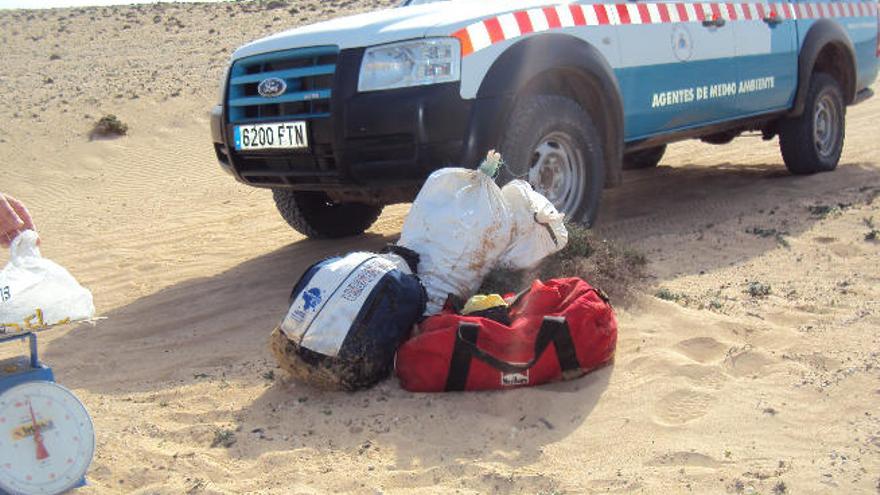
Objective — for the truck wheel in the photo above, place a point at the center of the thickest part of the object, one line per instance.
(646, 158)
(551, 142)
(315, 215)
(813, 142)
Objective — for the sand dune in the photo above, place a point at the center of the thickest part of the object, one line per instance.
(714, 390)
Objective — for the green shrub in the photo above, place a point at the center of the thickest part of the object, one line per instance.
(758, 289)
(223, 438)
(668, 295)
(602, 263)
(109, 125)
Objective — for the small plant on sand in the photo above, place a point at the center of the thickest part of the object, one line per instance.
(736, 486)
(602, 263)
(762, 232)
(873, 234)
(758, 289)
(668, 295)
(275, 4)
(766, 233)
(823, 211)
(780, 488)
(108, 125)
(223, 438)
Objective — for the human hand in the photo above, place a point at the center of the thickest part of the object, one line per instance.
(14, 218)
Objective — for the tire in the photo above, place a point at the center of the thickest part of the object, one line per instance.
(813, 142)
(551, 142)
(646, 158)
(315, 215)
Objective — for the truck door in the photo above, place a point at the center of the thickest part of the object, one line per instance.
(677, 65)
(766, 54)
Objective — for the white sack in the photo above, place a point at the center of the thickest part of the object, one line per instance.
(538, 228)
(36, 292)
(459, 225)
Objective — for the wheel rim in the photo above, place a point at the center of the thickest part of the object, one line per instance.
(556, 171)
(826, 126)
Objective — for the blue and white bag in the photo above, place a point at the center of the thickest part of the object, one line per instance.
(347, 317)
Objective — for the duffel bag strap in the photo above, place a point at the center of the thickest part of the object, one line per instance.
(520, 297)
(554, 329)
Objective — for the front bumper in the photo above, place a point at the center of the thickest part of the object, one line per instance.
(380, 143)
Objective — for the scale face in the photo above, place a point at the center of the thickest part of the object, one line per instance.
(46, 439)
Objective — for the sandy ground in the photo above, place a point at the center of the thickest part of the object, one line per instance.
(713, 390)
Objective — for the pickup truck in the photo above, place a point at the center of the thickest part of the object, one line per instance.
(343, 117)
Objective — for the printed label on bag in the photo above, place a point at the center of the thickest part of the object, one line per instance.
(366, 277)
(311, 301)
(5, 294)
(514, 379)
(322, 316)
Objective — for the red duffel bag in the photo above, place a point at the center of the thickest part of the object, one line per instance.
(560, 329)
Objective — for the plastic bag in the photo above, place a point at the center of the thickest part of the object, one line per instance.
(459, 225)
(37, 293)
(538, 228)
(463, 225)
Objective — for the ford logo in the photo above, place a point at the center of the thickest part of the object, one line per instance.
(272, 87)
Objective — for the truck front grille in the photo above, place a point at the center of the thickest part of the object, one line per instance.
(308, 73)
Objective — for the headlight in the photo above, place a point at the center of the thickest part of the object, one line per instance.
(411, 63)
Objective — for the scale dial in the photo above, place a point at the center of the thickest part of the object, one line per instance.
(46, 439)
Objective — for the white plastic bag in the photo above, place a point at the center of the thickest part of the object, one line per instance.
(36, 292)
(459, 226)
(538, 228)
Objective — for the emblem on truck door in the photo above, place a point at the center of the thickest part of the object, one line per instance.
(682, 44)
(272, 87)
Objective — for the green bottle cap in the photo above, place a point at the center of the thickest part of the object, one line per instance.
(492, 164)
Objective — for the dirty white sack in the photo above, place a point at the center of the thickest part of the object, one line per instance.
(36, 292)
(459, 225)
(538, 228)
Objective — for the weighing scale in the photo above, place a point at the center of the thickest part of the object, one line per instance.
(46, 435)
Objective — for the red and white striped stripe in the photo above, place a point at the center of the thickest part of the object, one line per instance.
(487, 32)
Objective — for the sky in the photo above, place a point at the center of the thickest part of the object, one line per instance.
(48, 4)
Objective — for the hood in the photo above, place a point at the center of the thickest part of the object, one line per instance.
(390, 25)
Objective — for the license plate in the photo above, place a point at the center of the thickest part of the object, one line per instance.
(280, 135)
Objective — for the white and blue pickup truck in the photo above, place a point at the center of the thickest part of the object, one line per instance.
(343, 117)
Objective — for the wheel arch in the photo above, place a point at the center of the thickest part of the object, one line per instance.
(826, 48)
(563, 65)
